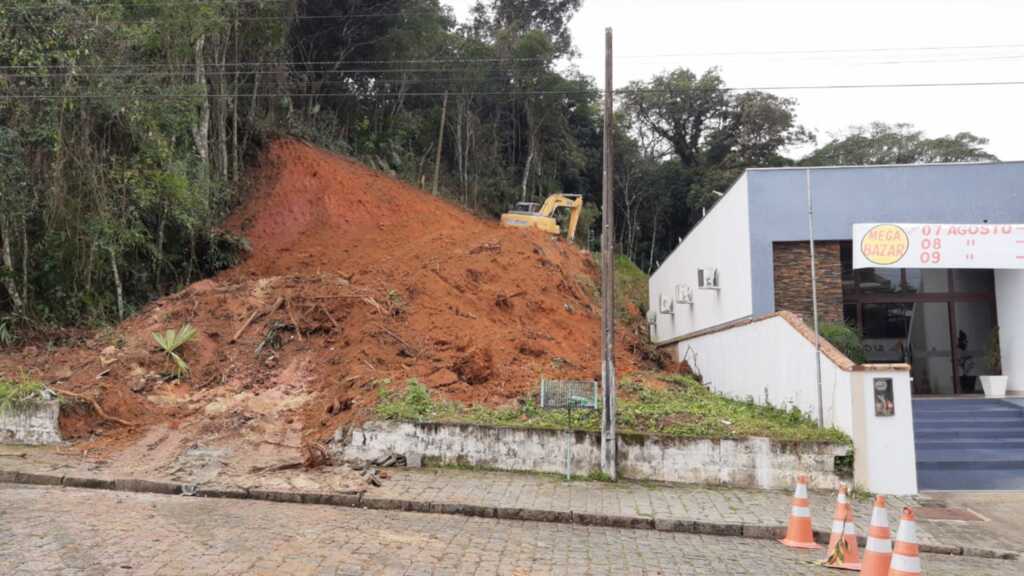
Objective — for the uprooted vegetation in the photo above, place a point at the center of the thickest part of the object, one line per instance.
(354, 279)
(669, 405)
(20, 393)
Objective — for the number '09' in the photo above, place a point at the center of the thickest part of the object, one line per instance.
(931, 257)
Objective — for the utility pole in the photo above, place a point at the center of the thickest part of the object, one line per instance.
(440, 142)
(608, 436)
(814, 298)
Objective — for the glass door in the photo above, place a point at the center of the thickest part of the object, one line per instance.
(931, 349)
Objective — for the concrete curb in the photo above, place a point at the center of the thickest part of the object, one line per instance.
(357, 500)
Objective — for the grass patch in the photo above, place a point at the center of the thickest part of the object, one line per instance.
(684, 408)
(16, 394)
(630, 285)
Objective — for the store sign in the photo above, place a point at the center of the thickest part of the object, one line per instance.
(995, 246)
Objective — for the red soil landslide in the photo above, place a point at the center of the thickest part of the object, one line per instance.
(355, 281)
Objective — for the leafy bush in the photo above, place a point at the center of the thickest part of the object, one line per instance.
(415, 405)
(20, 393)
(170, 341)
(846, 339)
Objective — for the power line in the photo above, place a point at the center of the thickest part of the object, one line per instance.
(231, 69)
(622, 91)
(243, 18)
(191, 67)
(787, 52)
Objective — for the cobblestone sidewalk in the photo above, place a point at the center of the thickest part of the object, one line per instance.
(670, 508)
(70, 532)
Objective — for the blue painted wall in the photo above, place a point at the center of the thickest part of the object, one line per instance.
(936, 193)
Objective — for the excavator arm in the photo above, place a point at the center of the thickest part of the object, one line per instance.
(573, 202)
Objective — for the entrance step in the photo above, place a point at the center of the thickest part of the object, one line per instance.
(975, 433)
(929, 406)
(964, 423)
(995, 443)
(970, 480)
(970, 459)
(970, 444)
(966, 413)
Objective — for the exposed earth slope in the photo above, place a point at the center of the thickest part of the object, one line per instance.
(356, 282)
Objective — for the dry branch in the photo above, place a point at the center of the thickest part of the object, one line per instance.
(95, 405)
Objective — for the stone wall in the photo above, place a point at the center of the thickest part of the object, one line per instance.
(749, 462)
(792, 270)
(35, 425)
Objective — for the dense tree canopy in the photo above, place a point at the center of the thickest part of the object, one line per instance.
(897, 144)
(126, 127)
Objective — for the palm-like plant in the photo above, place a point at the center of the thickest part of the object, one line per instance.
(170, 341)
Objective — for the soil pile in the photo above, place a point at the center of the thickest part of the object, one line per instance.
(356, 283)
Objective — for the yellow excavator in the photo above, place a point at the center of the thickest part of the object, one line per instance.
(532, 214)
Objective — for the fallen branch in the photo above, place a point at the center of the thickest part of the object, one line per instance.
(276, 468)
(244, 326)
(329, 317)
(277, 304)
(369, 300)
(291, 316)
(411, 349)
(95, 405)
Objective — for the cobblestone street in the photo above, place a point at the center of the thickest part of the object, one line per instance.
(46, 531)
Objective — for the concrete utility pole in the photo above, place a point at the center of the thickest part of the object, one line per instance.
(608, 436)
(814, 299)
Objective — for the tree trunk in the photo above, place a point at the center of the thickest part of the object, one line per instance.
(117, 283)
(236, 165)
(440, 142)
(24, 260)
(9, 272)
(222, 111)
(654, 238)
(201, 132)
(526, 171)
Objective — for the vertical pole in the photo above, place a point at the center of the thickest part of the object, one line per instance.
(440, 142)
(814, 299)
(608, 437)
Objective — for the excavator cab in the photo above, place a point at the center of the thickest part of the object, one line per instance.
(526, 208)
(533, 215)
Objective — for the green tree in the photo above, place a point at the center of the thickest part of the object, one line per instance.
(882, 143)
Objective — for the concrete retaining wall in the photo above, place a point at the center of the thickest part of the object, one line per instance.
(35, 425)
(749, 462)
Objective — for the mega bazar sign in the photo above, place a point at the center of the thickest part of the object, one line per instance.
(997, 246)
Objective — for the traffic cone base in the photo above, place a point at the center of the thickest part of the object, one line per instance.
(799, 534)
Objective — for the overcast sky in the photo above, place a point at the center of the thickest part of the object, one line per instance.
(827, 42)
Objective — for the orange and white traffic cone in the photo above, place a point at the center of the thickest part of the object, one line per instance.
(799, 534)
(905, 556)
(878, 550)
(842, 544)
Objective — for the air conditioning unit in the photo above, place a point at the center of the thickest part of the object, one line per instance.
(665, 305)
(684, 294)
(707, 278)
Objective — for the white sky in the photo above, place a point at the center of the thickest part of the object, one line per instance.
(653, 36)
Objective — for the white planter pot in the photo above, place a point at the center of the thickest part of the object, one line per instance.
(994, 386)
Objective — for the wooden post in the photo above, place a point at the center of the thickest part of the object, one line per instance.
(440, 142)
(608, 436)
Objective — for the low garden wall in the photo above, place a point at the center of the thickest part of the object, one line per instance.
(747, 462)
(33, 424)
